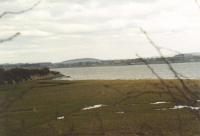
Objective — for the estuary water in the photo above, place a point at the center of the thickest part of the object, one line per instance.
(130, 72)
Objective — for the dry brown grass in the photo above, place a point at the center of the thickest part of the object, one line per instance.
(31, 109)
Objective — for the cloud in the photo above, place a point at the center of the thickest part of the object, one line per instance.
(105, 29)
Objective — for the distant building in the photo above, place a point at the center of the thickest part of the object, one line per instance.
(184, 56)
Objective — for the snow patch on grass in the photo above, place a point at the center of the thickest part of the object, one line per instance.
(120, 112)
(159, 103)
(163, 109)
(60, 118)
(184, 106)
(93, 107)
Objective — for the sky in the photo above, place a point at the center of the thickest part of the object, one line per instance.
(59, 30)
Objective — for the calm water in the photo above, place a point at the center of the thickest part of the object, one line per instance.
(191, 70)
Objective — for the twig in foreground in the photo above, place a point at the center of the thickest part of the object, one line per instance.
(10, 38)
(186, 91)
(19, 12)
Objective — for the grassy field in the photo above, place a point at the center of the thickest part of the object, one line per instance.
(32, 108)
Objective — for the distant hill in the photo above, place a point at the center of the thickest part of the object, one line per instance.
(82, 60)
(93, 62)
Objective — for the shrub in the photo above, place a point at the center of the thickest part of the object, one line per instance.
(18, 74)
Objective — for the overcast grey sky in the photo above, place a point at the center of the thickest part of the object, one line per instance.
(58, 30)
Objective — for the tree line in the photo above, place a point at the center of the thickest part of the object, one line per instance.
(18, 75)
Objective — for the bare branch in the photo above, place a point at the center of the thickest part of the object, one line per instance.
(14, 13)
(187, 92)
(10, 38)
(19, 12)
(159, 48)
(159, 78)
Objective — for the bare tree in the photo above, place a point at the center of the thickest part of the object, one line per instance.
(186, 91)
(19, 12)
(190, 96)
(10, 38)
(5, 13)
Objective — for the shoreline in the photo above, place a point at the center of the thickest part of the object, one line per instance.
(141, 64)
